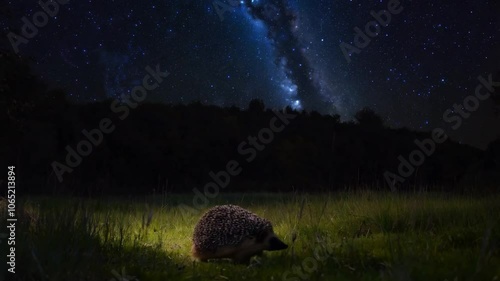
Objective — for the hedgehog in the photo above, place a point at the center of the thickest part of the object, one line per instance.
(229, 231)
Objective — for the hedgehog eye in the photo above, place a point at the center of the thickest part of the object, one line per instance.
(251, 237)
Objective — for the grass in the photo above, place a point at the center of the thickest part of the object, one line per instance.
(345, 236)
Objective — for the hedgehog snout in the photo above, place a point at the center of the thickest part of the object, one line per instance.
(275, 244)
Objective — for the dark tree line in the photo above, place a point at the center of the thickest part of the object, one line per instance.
(173, 148)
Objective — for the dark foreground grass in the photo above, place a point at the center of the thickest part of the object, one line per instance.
(363, 236)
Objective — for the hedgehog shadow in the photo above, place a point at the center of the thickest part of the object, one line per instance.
(255, 261)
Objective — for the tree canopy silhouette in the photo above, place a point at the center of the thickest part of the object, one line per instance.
(366, 117)
(256, 105)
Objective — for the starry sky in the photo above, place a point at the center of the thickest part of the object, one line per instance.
(286, 52)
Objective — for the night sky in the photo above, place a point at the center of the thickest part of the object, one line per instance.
(285, 52)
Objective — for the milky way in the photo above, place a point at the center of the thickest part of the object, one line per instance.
(281, 24)
(285, 52)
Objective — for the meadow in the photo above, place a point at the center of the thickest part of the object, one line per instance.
(337, 236)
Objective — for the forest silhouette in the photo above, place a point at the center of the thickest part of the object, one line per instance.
(173, 147)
